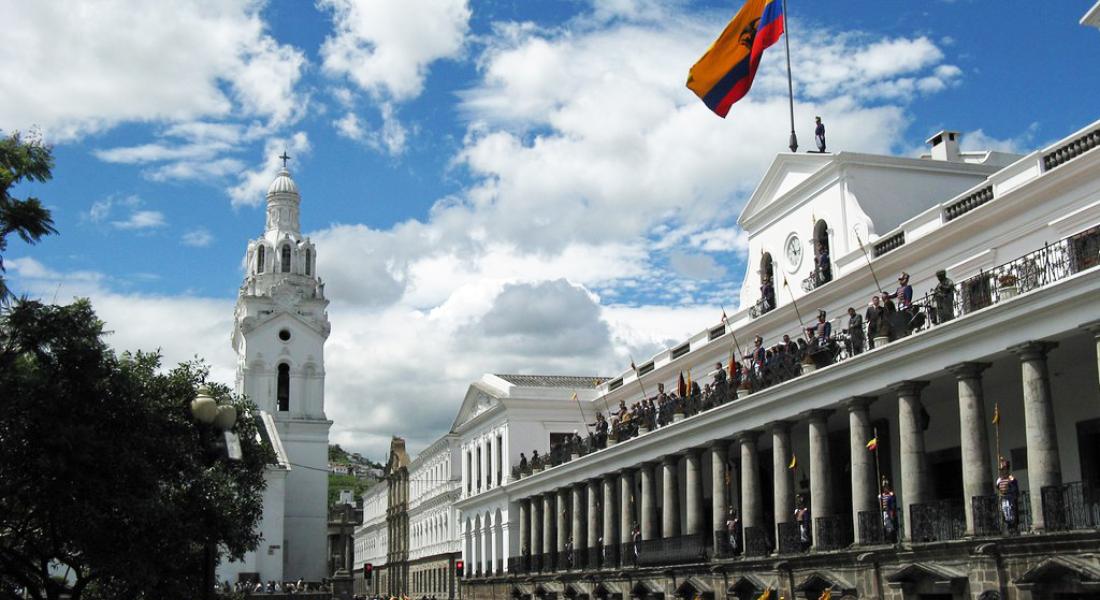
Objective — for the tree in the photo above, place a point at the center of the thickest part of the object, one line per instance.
(22, 160)
(105, 478)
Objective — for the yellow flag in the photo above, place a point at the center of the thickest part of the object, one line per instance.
(794, 462)
(767, 595)
(997, 413)
(827, 594)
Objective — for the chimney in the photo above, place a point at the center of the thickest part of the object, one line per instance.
(945, 146)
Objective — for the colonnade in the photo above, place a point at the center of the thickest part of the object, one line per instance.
(602, 510)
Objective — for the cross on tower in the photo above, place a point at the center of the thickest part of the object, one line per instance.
(285, 158)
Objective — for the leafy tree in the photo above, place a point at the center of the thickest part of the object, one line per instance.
(21, 160)
(105, 478)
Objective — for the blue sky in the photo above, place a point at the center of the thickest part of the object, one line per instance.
(497, 186)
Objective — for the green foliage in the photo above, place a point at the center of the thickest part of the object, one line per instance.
(346, 482)
(21, 160)
(104, 475)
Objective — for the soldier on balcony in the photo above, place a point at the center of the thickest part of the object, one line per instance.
(720, 386)
(855, 332)
(757, 359)
(944, 296)
(824, 267)
(802, 518)
(767, 294)
(820, 332)
(733, 530)
(1008, 492)
(888, 505)
(522, 463)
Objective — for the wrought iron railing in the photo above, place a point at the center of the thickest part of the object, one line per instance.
(628, 554)
(792, 538)
(994, 515)
(816, 279)
(874, 528)
(833, 532)
(1073, 505)
(518, 564)
(672, 550)
(609, 556)
(726, 544)
(1071, 150)
(757, 541)
(937, 521)
(761, 307)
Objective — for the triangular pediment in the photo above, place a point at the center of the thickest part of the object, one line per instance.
(786, 173)
(917, 572)
(818, 581)
(480, 398)
(1061, 569)
(747, 583)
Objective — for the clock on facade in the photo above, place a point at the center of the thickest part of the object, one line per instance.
(793, 251)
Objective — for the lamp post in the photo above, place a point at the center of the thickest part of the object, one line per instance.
(214, 419)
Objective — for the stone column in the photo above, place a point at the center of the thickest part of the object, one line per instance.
(693, 484)
(914, 476)
(535, 513)
(483, 551)
(494, 547)
(610, 536)
(718, 485)
(593, 510)
(649, 503)
(864, 484)
(580, 531)
(1043, 466)
(783, 500)
(670, 496)
(564, 529)
(626, 506)
(752, 506)
(505, 543)
(524, 526)
(977, 467)
(1094, 329)
(821, 468)
(549, 518)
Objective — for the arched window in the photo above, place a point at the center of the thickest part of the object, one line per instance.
(309, 261)
(260, 259)
(286, 258)
(282, 395)
(823, 266)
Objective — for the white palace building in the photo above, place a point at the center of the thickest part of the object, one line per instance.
(772, 486)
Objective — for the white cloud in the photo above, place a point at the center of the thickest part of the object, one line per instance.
(386, 48)
(1021, 143)
(197, 238)
(141, 219)
(390, 138)
(74, 69)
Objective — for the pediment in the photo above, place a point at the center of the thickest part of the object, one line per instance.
(786, 172)
(1061, 569)
(818, 581)
(646, 586)
(479, 399)
(691, 586)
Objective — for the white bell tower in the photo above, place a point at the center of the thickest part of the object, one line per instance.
(279, 332)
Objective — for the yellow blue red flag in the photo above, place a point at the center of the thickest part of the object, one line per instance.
(725, 73)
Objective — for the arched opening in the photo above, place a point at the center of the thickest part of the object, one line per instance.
(282, 395)
(260, 258)
(309, 261)
(286, 258)
(823, 266)
(767, 283)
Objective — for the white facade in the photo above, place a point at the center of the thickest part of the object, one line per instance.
(372, 537)
(280, 328)
(434, 484)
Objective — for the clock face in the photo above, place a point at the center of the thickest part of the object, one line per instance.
(793, 251)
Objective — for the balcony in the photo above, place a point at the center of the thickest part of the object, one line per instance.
(1071, 506)
(874, 529)
(833, 533)
(992, 517)
(757, 541)
(938, 521)
(673, 550)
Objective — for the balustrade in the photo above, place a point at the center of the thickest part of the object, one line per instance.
(757, 542)
(833, 532)
(672, 550)
(937, 521)
(990, 519)
(792, 538)
(726, 545)
(1074, 505)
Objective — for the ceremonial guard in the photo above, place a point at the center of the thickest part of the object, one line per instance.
(733, 530)
(802, 518)
(888, 504)
(767, 294)
(1008, 492)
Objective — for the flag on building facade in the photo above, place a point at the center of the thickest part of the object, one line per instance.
(873, 444)
(826, 594)
(997, 413)
(794, 462)
(681, 386)
(725, 72)
(767, 595)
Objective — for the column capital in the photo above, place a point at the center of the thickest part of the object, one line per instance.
(624, 472)
(1034, 350)
(694, 451)
(856, 403)
(1092, 327)
(670, 460)
(817, 414)
(909, 387)
(779, 427)
(968, 370)
(749, 436)
(720, 444)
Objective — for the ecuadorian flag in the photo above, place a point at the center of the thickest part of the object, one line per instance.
(725, 73)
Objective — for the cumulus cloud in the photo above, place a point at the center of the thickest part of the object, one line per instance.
(251, 188)
(110, 63)
(134, 219)
(197, 238)
(1020, 143)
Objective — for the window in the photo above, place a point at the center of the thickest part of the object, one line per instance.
(282, 395)
(309, 260)
(260, 259)
(286, 258)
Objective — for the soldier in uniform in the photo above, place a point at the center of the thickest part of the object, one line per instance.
(758, 356)
(733, 530)
(855, 332)
(1008, 492)
(720, 386)
(875, 322)
(820, 331)
(888, 504)
(802, 518)
(767, 293)
(824, 267)
(944, 296)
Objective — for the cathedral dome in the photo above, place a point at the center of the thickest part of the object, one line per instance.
(282, 184)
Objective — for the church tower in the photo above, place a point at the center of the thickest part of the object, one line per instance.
(279, 332)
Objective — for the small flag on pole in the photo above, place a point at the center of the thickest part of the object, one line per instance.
(725, 320)
(767, 595)
(681, 386)
(632, 367)
(997, 413)
(794, 462)
(689, 382)
(873, 444)
(827, 594)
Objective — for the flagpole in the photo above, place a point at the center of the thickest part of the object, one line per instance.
(736, 344)
(638, 378)
(790, 85)
(795, 304)
(868, 259)
(581, 409)
(878, 482)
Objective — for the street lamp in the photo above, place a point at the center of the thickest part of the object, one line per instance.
(221, 419)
